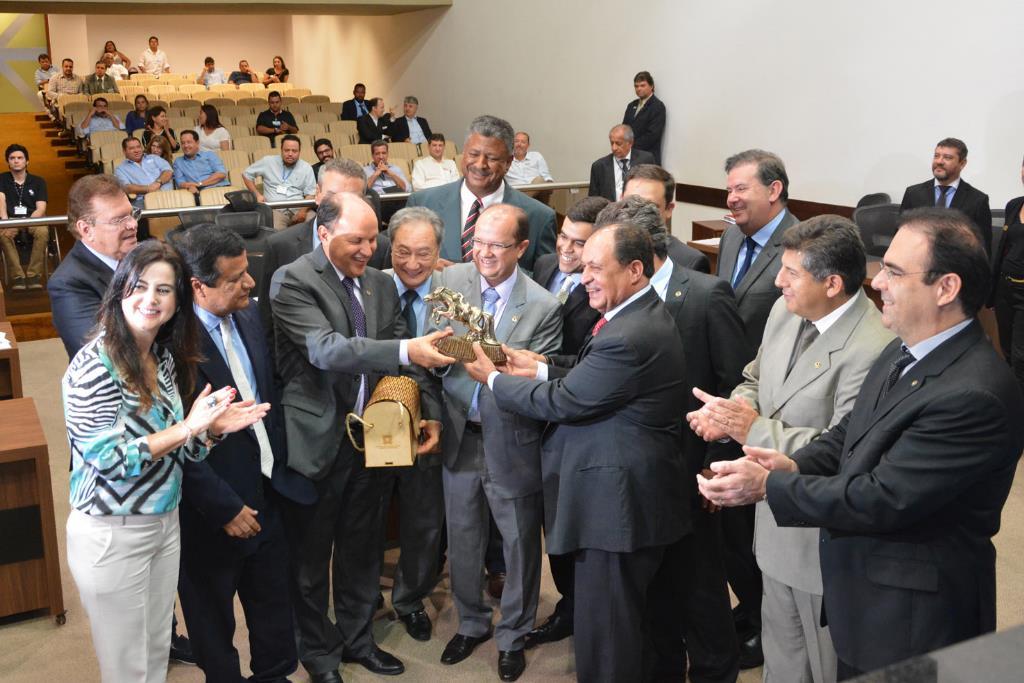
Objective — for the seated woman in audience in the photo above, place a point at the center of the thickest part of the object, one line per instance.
(119, 57)
(1009, 289)
(130, 437)
(277, 73)
(137, 119)
(156, 124)
(213, 136)
(159, 146)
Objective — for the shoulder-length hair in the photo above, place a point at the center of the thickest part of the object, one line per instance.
(212, 117)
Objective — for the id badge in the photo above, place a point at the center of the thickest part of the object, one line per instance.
(277, 123)
(20, 210)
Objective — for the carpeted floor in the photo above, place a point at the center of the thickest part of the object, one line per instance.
(36, 649)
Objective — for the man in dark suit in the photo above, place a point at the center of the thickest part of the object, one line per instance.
(749, 256)
(646, 115)
(611, 461)
(657, 185)
(908, 487)
(103, 221)
(374, 125)
(947, 190)
(608, 174)
(486, 156)
(232, 537)
(284, 246)
(339, 329)
(352, 109)
(404, 128)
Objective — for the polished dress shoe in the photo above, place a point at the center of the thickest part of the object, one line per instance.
(181, 650)
(378, 662)
(557, 627)
(460, 647)
(496, 584)
(417, 624)
(326, 677)
(751, 654)
(511, 664)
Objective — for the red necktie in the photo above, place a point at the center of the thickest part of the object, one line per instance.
(598, 325)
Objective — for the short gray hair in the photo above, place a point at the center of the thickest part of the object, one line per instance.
(492, 127)
(343, 167)
(642, 213)
(410, 214)
(830, 245)
(627, 131)
(769, 168)
(411, 99)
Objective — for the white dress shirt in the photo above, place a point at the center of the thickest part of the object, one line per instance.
(522, 172)
(468, 198)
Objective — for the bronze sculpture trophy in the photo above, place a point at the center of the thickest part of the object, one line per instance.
(480, 325)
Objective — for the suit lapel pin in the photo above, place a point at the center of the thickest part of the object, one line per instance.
(914, 383)
(367, 292)
(817, 364)
(678, 294)
(515, 318)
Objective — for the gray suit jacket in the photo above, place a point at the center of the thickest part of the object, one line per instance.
(794, 410)
(321, 360)
(445, 200)
(757, 293)
(532, 320)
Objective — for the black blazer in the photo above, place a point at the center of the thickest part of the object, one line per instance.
(578, 318)
(76, 289)
(399, 129)
(348, 110)
(648, 127)
(908, 493)
(967, 199)
(602, 175)
(371, 132)
(687, 256)
(215, 489)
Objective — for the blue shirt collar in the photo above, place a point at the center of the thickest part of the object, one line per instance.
(209, 321)
(923, 348)
(659, 281)
(764, 234)
(422, 290)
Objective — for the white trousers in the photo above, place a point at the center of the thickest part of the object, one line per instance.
(126, 570)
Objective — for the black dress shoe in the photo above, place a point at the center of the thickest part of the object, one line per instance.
(496, 585)
(557, 627)
(751, 654)
(460, 647)
(511, 664)
(378, 662)
(326, 677)
(181, 650)
(417, 624)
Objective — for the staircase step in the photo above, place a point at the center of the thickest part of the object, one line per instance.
(70, 152)
(77, 163)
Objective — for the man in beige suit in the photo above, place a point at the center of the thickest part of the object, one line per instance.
(821, 338)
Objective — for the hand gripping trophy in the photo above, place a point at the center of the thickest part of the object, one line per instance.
(480, 325)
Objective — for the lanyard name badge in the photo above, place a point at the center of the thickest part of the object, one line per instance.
(20, 209)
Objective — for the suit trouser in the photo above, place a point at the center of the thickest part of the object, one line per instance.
(691, 615)
(347, 521)
(210, 578)
(797, 648)
(611, 617)
(421, 519)
(40, 238)
(740, 565)
(562, 568)
(126, 570)
(1010, 318)
(468, 496)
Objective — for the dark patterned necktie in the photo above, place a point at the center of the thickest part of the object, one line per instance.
(624, 163)
(408, 312)
(747, 260)
(358, 314)
(940, 197)
(469, 228)
(896, 369)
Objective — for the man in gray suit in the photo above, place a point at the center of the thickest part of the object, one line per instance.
(615, 493)
(340, 329)
(822, 337)
(492, 458)
(758, 188)
(486, 157)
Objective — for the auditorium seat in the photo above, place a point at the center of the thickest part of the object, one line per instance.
(223, 87)
(257, 144)
(191, 88)
(252, 102)
(106, 137)
(404, 150)
(333, 107)
(314, 128)
(202, 96)
(321, 116)
(156, 102)
(252, 87)
(186, 104)
(109, 151)
(238, 130)
(307, 96)
(303, 108)
(345, 127)
(220, 102)
(280, 87)
(358, 153)
(214, 196)
(339, 140)
(235, 158)
(167, 199)
(402, 163)
(161, 89)
(287, 99)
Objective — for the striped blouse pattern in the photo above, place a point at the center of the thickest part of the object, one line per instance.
(113, 472)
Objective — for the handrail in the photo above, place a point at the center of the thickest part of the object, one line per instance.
(291, 204)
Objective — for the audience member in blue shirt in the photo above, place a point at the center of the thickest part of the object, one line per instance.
(137, 119)
(142, 173)
(197, 170)
(100, 119)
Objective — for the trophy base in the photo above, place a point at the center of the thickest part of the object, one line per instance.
(461, 349)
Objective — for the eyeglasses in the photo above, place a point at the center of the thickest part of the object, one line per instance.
(494, 246)
(122, 222)
(896, 275)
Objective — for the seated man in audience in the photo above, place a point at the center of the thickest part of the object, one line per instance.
(99, 118)
(608, 174)
(66, 83)
(352, 109)
(245, 74)
(115, 70)
(275, 121)
(44, 73)
(376, 125)
(410, 127)
(142, 173)
(947, 190)
(434, 170)
(154, 60)
(657, 185)
(210, 75)
(285, 177)
(324, 151)
(381, 176)
(99, 82)
(526, 166)
(23, 195)
(196, 170)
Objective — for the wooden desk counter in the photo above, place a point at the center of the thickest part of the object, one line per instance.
(10, 366)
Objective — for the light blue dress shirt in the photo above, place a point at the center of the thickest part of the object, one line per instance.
(198, 168)
(761, 237)
(419, 308)
(211, 323)
(144, 173)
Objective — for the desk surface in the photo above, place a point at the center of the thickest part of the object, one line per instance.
(21, 434)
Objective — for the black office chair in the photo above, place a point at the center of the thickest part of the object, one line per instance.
(244, 201)
(254, 232)
(874, 199)
(877, 224)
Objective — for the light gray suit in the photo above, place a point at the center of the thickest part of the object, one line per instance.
(819, 391)
(499, 470)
